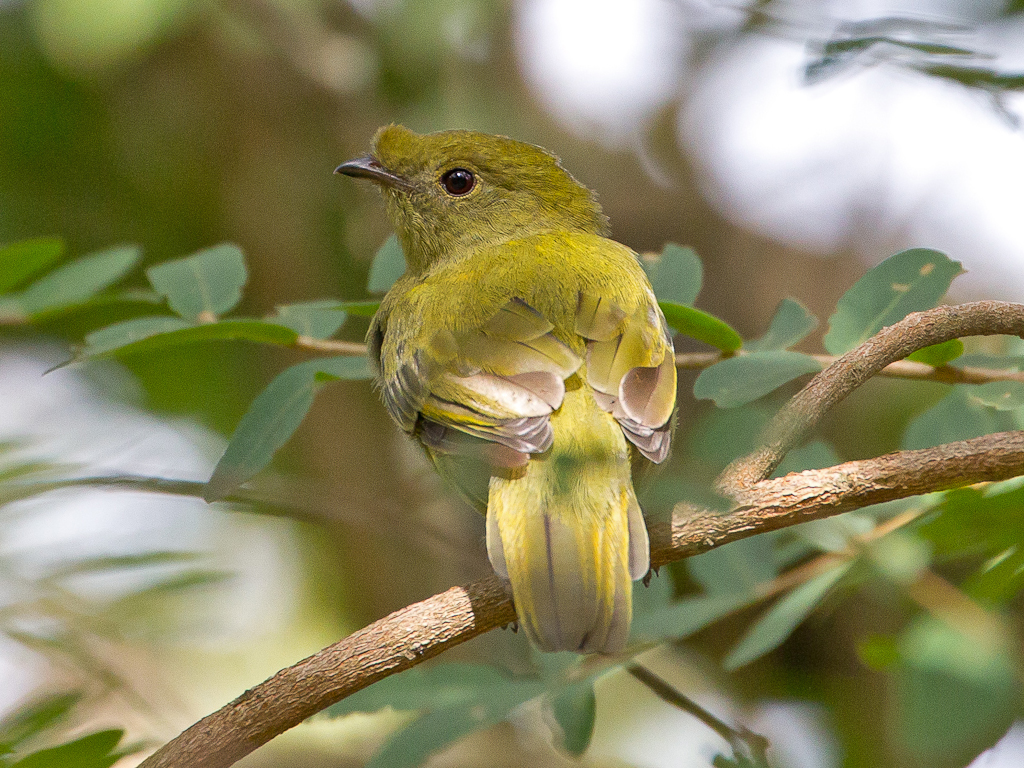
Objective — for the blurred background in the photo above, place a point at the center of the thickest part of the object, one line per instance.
(177, 124)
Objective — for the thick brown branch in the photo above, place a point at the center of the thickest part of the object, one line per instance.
(428, 628)
(914, 332)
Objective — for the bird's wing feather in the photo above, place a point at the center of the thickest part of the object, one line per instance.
(489, 389)
(631, 366)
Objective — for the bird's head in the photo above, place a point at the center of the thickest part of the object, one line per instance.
(452, 192)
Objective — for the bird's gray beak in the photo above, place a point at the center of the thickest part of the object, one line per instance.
(370, 168)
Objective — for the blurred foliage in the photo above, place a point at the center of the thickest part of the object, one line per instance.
(179, 124)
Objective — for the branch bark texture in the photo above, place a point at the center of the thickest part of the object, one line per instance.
(916, 331)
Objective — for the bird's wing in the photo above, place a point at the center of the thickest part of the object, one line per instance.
(490, 389)
(631, 367)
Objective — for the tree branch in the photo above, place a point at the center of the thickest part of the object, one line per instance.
(895, 342)
(427, 629)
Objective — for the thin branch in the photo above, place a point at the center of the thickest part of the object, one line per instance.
(901, 369)
(737, 738)
(429, 628)
(895, 342)
(331, 346)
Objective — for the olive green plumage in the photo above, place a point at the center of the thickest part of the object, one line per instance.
(527, 353)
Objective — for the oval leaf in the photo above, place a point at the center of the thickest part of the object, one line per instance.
(272, 418)
(739, 380)
(361, 308)
(21, 260)
(676, 274)
(411, 746)
(208, 283)
(701, 326)
(97, 750)
(425, 688)
(318, 319)
(910, 281)
(778, 623)
(165, 334)
(957, 416)
(574, 711)
(938, 354)
(388, 265)
(77, 282)
(791, 323)
(130, 331)
(687, 616)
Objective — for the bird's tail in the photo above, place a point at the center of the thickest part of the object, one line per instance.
(569, 536)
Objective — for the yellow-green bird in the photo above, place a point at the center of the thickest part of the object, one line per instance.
(527, 353)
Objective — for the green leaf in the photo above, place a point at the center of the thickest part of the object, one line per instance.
(207, 283)
(955, 695)
(791, 323)
(687, 616)
(958, 416)
(434, 731)
(910, 281)
(424, 688)
(739, 380)
(32, 719)
(79, 281)
(21, 260)
(457, 699)
(574, 710)
(701, 326)
(388, 265)
(833, 534)
(128, 332)
(938, 354)
(272, 418)
(93, 751)
(1001, 395)
(176, 332)
(361, 308)
(739, 567)
(318, 319)
(772, 629)
(675, 275)
(976, 522)
(999, 580)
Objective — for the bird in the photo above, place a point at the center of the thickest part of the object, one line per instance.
(526, 352)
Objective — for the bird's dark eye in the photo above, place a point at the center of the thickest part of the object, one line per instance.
(458, 182)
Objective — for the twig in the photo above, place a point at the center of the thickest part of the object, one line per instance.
(429, 628)
(901, 369)
(331, 346)
(736, 737)
(914, 332)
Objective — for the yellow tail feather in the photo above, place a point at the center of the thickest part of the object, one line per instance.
(568, 534)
